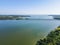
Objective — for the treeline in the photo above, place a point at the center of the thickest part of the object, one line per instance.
(14, 17)
(53, 38)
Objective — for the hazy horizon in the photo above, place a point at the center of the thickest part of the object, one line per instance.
(29, 7)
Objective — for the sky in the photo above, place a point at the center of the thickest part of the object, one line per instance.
(30, 7)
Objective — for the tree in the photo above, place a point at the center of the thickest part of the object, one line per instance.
(53, 38)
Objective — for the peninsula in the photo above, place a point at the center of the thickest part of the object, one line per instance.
(53, 38)
(57, 17)
(13, 17)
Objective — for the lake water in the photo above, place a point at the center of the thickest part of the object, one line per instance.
(25, 32)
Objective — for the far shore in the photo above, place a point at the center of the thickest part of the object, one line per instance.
(27, 17)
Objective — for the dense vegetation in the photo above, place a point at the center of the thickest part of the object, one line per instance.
(14, 17)
(53, 38)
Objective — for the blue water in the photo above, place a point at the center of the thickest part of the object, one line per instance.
(25, 32)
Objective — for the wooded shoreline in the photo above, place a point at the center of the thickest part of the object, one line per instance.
(53, 38)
